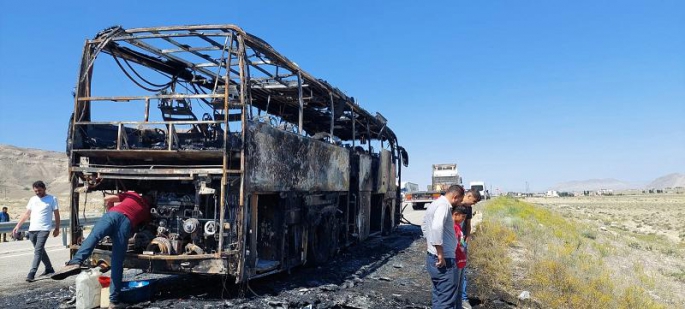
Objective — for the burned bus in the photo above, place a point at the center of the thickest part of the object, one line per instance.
(256, 165)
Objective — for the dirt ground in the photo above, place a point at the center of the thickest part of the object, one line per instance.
(641, 238)
(383, 272)
(659, 214)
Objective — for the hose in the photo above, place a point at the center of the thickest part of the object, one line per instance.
(405, 220)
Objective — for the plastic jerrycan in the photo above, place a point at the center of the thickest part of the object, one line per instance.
(88, 289)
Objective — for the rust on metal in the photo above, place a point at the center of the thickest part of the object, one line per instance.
(257, 165)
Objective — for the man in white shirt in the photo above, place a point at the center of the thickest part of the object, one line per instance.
(441, 242)
(40, 209)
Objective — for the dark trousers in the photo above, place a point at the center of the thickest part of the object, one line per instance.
(461, 279)
(117, 226)
(38, 238)
(445, 282)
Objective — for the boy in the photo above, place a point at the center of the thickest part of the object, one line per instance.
(458, 216)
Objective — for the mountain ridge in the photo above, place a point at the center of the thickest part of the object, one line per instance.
(671, 180)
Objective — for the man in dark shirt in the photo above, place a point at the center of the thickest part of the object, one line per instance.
(4, 217)
(125, 212)
(470, 198)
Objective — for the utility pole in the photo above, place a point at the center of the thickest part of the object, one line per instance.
(527, 188)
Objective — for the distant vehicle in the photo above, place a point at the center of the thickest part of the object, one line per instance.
(406, 186)
(480, 187)
(444, 175)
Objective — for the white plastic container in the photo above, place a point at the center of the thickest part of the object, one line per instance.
(88, 289)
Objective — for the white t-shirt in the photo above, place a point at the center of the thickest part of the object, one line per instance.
(41, 212)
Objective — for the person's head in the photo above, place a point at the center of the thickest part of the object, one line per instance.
(454, 194)
(471, 197)
(459, 214)
(39, 188)
(149, 198)
(4, 209)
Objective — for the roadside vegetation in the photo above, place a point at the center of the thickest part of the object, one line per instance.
(562, 262)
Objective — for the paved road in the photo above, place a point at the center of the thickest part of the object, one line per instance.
(15, 262)
(413, 216)
(416, 216)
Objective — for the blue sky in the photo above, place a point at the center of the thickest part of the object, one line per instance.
(512, 91)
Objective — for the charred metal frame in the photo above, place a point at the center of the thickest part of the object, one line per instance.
(297, 167)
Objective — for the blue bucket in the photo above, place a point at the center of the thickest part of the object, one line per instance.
(136, 291)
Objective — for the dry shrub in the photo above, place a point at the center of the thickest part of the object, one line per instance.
(563, 268)
(557, 285)
(491, 258)
(635, 297)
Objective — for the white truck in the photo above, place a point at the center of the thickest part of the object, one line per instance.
(480, 187)
(444, 175)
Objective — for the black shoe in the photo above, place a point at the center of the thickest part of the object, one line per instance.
(66, 271)
(117, 305)
(31, 277)
(47, 272)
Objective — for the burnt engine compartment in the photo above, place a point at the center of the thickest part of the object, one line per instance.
(181, 226)
(184, 220)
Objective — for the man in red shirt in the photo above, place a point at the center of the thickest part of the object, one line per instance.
(125, 211)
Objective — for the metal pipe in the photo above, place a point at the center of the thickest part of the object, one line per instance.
(225, 161)
(368, 134)
(241, 275)
(119, 128)
(332, 116)
(354, 130)
(147, 109)
(170, 134)
(299, 97)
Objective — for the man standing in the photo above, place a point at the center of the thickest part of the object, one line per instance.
(4, 217)
(471, 198)
(40, 209)
(438, 228)
(125, 212)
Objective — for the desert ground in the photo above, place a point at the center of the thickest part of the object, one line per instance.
(653, 214)
(640, 238)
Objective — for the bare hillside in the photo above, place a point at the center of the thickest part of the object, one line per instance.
(20, 167)
(668, 181)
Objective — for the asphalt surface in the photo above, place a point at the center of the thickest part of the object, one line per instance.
(382, 272)
(16, 258)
